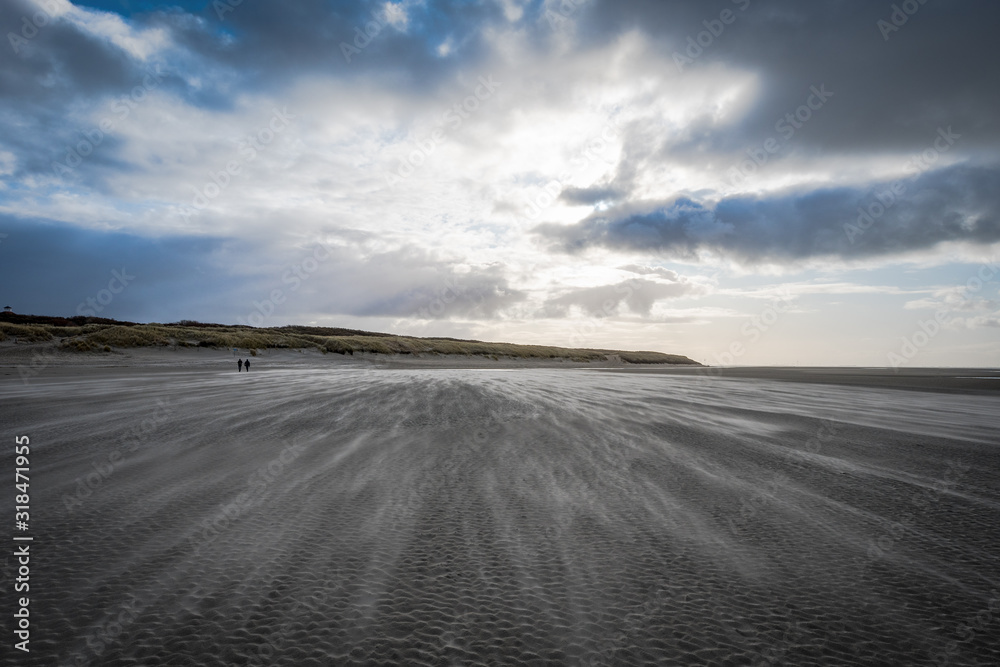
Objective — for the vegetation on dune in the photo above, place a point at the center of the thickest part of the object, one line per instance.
(26, 332)
(85, 334)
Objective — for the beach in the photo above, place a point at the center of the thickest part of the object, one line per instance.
(338, 510)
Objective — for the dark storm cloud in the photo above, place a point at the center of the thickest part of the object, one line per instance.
(955, 204)
(214, 58)
(133, 7)
(890, 96)
(61, 69)
(938, 69)
(48, 59)
(266, 41)
(51, 269)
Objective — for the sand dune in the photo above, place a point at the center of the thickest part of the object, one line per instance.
(318, 516)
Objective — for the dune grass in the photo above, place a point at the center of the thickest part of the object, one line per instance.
(93, 334)
(28, 333)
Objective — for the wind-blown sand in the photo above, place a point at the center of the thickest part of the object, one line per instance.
(340, 513)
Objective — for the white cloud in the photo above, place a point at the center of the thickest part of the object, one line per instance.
(395, 15)
(569, 129)
(814, 287)
(513, 10)
(8, 161)
(140, 44)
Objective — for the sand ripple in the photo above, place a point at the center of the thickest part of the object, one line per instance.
(540, 517)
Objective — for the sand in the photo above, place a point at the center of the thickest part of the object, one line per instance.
(335, 511)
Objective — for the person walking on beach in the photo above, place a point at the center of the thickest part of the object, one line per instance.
(247, 365)
(240, 365)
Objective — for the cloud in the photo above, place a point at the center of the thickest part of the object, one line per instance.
(790, 290)
(51, 267)
(889, 93)
(638, 269)
(412, 284)
(955, 204)
(594, 163)
(637, 295)
(589, 196)
(991, 321)
(953, 299)
(974, 304)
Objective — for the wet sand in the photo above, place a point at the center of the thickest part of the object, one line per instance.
(947, 380)
(339, 512)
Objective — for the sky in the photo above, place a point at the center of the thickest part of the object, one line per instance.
(745, 182)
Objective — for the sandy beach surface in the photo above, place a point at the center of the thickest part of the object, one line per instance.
(327, 510)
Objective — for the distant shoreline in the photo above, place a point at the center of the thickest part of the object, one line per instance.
(40, 360)
(97, 336)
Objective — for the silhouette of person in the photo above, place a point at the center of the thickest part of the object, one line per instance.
(240, 365)
(247, 364)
